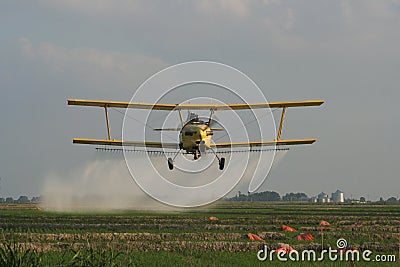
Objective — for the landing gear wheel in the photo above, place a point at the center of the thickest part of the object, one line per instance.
(202, 147)
(221, 163)
(170, 163)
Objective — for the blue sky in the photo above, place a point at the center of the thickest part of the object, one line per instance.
(345, 52)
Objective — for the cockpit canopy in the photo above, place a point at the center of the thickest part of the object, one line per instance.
(194, 118)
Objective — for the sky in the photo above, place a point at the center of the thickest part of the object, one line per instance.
(345, 52)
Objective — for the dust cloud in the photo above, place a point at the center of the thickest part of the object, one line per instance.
(105, 184)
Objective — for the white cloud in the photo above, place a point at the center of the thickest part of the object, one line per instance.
(101, 7)
(103, 68)
(237, 8)
(290, 19)
(26, 47)
(381, 10)
(367, 29)
(269, 2)
(287, 25)
(281, 28)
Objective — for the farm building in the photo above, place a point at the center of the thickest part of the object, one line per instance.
(338, 196)
(323, 198)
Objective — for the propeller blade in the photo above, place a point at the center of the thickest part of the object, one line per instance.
(167, 129)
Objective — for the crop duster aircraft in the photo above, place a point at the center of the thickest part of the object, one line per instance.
(195, 134)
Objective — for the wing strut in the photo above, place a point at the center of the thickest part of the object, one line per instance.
(278, 137)
(211, 115)
(108, 123)
(180, 117)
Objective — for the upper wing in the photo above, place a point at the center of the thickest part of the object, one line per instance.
(265, 143)
(139, 105)
(124, 143)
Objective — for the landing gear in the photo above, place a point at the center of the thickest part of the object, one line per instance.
(170, 164)
(171, 160)
(196, 155)
(202, 147)
(221, 163)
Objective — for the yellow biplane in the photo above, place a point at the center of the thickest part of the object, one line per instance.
(195, 134)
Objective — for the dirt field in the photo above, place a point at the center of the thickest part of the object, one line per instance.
(189, 237)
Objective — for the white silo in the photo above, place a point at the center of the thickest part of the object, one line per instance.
(323, 198)
(338, 196)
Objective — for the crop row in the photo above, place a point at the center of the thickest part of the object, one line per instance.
(203, 236)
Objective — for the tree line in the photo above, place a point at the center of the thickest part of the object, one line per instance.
(295, 197)
(20, 200)
(269, 196)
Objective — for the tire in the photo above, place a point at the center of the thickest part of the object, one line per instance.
(202, 147)
(170, 164)
(221, 163)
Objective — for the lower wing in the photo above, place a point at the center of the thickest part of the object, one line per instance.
(124, 143)
(265, 143)
(176, 145)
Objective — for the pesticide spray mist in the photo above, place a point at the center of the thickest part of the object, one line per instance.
(105, 184)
